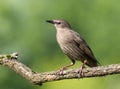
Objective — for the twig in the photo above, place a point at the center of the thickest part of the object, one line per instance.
(10, 60)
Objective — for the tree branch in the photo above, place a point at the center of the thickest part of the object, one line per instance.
(10, 60)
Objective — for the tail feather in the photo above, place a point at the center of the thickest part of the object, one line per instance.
(93, 63)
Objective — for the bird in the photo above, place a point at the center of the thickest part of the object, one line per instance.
(73, 45)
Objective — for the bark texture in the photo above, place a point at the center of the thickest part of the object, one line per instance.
(10, 60)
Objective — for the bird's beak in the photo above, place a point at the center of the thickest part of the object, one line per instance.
(50, 21)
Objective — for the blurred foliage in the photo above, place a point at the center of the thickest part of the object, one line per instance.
(23, 29)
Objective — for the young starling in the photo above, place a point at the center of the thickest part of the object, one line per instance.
(73, 45)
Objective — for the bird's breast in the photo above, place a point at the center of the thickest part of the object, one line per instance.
(64, 37)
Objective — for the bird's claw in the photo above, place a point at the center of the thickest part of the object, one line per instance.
(81, 72)
(60, 72)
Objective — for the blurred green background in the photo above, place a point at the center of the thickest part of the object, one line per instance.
(23, 29)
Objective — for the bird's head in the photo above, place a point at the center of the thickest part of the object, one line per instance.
(59, 24)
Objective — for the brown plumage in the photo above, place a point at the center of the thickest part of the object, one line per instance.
(73, 45)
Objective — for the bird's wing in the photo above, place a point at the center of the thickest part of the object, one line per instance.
(85, 50)
(84, 46)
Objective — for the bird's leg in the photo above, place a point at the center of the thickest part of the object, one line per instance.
(81, 72)
(65, 67)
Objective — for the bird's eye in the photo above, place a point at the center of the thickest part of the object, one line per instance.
(59, 23)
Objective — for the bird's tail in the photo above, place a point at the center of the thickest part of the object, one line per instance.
(93, 63)
(98, 63)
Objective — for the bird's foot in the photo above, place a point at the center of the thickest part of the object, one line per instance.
(60, 72)
(81, 71)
